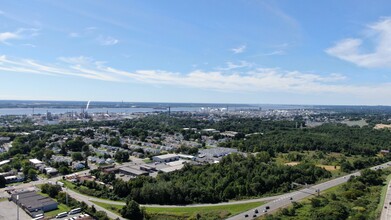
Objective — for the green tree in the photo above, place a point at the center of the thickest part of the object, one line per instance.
(51, 190)
(77, 156)
(132, 211)
(32, 174)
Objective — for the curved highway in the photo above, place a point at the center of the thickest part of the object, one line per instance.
(286, 199)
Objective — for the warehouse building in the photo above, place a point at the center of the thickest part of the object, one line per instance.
(132, 172)
(165, 158)
(33, 203)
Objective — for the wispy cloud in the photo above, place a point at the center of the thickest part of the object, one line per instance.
(237, 65)
(107, 40)
(21, 33)
(29, 45)
(74, 34)
(351, 49)
(5, 36)
(272, 53)
(249, 80)
(239, 49)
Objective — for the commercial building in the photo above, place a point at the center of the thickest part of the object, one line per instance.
(165, 158)
(132, 172)
(187, 157)
(33, 203)
(216, 152)
(36, 162)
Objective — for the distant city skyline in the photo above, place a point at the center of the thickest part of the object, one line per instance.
(256, 52)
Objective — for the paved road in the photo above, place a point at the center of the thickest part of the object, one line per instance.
(285, 199)
(86, 199)
(386, 212)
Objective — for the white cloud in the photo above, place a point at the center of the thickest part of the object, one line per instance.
(5, 36)
(250, 80)
(352, 49)
(76, 60)
(107, 41)
(239, 49)
(239, 65)
(273, 53)
(21, 33)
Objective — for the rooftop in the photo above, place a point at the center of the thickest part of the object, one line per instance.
(133, 171)
(31, 200)
(35, 161)
(166, 156)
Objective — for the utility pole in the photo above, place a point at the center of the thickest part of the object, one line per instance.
(17, 208)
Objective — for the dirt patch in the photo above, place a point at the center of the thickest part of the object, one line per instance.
(292, 163)
(382, 126)
(329, 167)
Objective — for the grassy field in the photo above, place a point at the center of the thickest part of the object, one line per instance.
(61, 208)
(147, 160)
(204, 212)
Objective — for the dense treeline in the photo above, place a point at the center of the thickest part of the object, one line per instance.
(327, 138)
(253, 125)
(234, 177)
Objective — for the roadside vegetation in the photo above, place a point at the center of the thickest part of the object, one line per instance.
(357, 199)
(186, 213)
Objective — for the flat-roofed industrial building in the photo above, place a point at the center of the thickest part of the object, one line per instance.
(34, 203)
(165, 158)
(132, 172)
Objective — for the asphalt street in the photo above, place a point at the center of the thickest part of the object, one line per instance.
(285, 199)
(386, 212)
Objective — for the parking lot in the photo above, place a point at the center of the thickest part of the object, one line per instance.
(8, 211)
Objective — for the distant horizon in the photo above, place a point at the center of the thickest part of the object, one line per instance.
(194, 103)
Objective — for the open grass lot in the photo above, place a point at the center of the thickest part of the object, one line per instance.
(329, 161)
(204, 212)
(329, 168)
(61, 208)
(147, 160)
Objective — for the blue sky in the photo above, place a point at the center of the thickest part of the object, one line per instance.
(277, 52)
